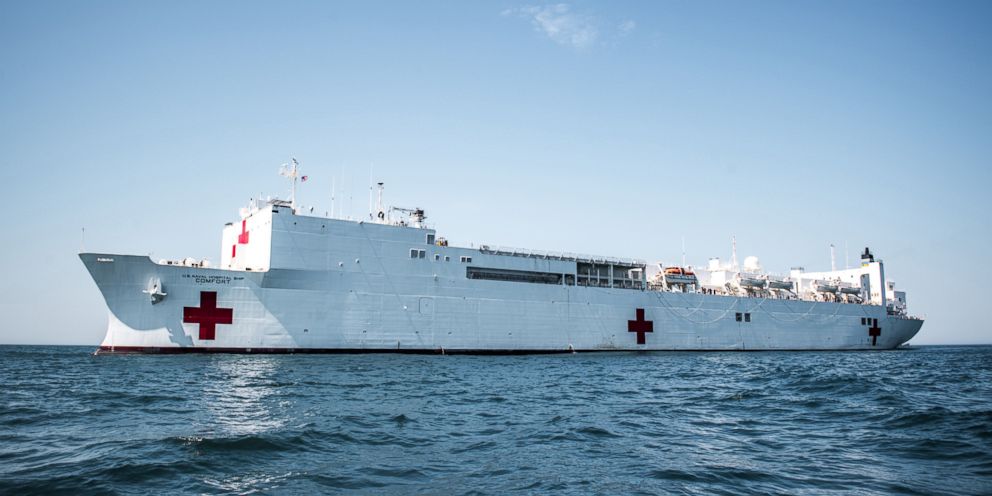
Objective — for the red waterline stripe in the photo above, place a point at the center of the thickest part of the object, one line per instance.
(176, 350)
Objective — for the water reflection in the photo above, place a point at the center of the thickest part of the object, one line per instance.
(240, 395)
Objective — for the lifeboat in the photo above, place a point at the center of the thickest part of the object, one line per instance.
(780, 284)
(679, 276)
(851, 291)
(752, 282)
(826, 288)
(679, 271)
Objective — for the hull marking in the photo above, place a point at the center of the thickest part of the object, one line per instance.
(208, 315)
(874, 331)
(640, 326)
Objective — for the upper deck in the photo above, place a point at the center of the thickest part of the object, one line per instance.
(274, 234)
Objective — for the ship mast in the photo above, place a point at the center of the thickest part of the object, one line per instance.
(733, 252)
(291, 173)
(380, 211)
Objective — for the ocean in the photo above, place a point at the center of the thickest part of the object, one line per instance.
(914, 421)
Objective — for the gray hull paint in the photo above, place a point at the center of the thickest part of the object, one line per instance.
(371, 300)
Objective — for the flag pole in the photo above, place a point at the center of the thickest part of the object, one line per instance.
(295, 166)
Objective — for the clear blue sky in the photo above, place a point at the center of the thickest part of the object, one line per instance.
(613, 128)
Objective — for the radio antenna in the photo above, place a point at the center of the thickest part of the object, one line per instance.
(291, 172)
(733, 252)
(333, 181)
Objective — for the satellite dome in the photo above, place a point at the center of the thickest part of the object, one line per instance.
(751, 264)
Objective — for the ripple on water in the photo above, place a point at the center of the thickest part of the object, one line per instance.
(914, 422)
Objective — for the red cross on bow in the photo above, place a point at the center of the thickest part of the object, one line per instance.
(640, 326)
(208, 315)
(874, 331)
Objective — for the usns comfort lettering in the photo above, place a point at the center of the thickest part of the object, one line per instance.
(293, 282)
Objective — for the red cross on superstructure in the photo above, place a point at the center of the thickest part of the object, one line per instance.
(640, 326)
(874, 331)
(242, 238)
(208, 315)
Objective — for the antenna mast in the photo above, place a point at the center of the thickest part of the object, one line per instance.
(733, 253)
(333, 179)
(291, 173)
(833, 258)
(683, 251)
(378, 204)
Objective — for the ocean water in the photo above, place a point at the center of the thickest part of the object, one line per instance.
(913, 421)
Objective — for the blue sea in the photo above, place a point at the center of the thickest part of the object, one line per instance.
(915, 421)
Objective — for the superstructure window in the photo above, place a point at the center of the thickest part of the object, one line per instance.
(513, 275)
(466, 259)
(437, 257)
(415, 253)
(430, 239)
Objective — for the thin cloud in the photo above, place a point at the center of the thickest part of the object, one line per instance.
(559, 23)
(626, 27)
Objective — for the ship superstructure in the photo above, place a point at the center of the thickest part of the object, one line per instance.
(291, 281)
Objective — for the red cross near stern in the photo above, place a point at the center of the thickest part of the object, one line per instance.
(874, 331)
(640, 326)
(208, 315)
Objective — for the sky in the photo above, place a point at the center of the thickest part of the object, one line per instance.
(614, 128)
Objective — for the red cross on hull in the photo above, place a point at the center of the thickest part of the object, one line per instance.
(208, 315)
(640, 326)
(874, 331)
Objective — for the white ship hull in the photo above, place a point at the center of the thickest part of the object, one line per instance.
(377, 303)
